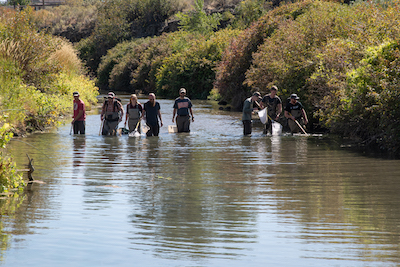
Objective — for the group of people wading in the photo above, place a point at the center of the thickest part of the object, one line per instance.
(294, 111)
(112, 113)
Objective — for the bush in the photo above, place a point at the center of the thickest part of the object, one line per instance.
(194, 67)
(119, 21)
(237, 58)
(74, 21)
(372, 107)
(9, 179)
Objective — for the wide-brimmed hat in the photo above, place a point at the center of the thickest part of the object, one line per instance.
(294, 96)
(111, 94)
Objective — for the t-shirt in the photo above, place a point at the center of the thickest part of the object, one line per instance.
(182, 106)
(271, 103)
(79, 105)
(152, 113)
(295, 109)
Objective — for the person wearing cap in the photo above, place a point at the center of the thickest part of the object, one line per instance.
(112, 113)
(182, 107)
(294, 110)
(79, 117)
(274, 107)
(248, 110)
(151, 111)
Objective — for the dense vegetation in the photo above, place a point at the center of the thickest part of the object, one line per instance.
(38, 73)
(340, 58)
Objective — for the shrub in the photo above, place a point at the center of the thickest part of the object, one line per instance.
(9, 179)
(372, 108)
(194, 67)
(74, 21)
(237, 58)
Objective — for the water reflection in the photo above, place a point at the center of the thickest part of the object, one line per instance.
(202, 198)
(79, 145)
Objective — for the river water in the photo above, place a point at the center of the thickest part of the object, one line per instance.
(209, 198)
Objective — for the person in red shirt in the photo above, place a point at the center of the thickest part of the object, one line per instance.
(79, 117)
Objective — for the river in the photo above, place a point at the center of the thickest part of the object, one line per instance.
(208, 198)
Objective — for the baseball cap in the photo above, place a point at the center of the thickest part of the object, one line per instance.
(111, 94)
(182, 90)
(75, 94)
(257, 94)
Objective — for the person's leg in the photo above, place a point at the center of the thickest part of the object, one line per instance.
(186, 124)
(293, 126)
(75, 126)
(106, 128)
(81, 127)
(150, 131)
(246, 127)
(132, 125)
(180, 123)
(156, 130)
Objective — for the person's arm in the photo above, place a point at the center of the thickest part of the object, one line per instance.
(127, 114)
(263, 103)
(173, 114)
(304, 116)
(247, 107)
(122, 111)
(80, 113)
(102, 111)
(159, 115)
(191, 113)
(278, 110)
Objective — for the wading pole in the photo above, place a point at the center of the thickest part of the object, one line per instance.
(298, 124)
(101, 126)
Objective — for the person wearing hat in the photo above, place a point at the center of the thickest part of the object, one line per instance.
(112, 113)
(182, 108)
(294, 111)
(274, 107)
(248, 110)
(79, 117)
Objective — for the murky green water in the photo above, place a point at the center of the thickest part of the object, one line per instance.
(208, 198)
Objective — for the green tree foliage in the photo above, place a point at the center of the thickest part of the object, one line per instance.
(194, 67)
(120, 20)
(198, 20)
(340, 59)
(38, 74)
(9, 178)
(74, 20)
(237, 58)
(249, 11)
(371, 106)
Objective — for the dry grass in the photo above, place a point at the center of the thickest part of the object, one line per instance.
(67, 57)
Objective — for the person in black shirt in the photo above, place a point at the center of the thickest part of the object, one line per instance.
(152, 113)
(294, 111)
(274, 107)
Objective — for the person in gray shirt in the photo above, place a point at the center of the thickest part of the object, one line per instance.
(248, 110)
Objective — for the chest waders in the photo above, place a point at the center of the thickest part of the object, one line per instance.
(271, 107)
(134, 116)
(111, 119)
(299, 117)
(271, 111)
